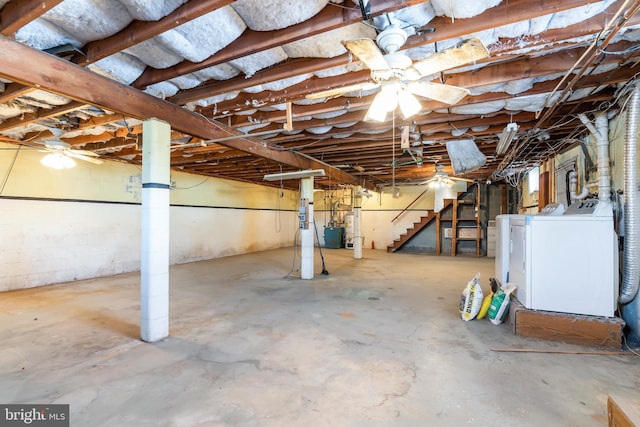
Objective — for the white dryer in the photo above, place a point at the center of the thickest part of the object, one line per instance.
(566, 263)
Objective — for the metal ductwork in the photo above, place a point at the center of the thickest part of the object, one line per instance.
(631, 268)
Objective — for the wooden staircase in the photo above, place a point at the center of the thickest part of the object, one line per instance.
(431, 215)
(417, 226)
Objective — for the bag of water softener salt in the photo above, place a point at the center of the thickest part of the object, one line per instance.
(500, 303)
(471, 299)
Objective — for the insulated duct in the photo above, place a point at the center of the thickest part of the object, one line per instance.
(602, 143)
(631, 268)
(601, 132)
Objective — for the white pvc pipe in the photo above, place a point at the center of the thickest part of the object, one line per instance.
(573, 184)
(601, 133)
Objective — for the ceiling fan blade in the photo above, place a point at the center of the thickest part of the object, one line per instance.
(338, 91)
(83, 157)
(367, 51)
(468, 51)
(438, 92)
(461, 179)
(83, 153)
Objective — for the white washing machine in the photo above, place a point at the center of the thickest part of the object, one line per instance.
(566, 263)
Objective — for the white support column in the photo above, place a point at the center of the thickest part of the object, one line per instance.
(154, 260)
(357, 223)
(306, 234)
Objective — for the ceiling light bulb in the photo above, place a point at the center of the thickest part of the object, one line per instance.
(389, 95)
(384, 102)
(409, 104)
(57, 161)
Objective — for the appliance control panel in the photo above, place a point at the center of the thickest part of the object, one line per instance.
(553, 209)
(583, 207)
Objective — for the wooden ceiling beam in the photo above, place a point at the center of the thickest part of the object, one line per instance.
(277, 72)
(139, 31)
(41, 114)
(13, 91)
(296, 92)
(67, 79)
(100, 121)
(501, 15)
(512, 70)
(620, 74)
(18, 13)
(250, 42)
(491, 74)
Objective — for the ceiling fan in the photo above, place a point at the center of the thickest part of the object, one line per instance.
(61, 154)
(399, 78)
(441, 177)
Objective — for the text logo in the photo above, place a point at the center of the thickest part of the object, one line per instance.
(34, 415)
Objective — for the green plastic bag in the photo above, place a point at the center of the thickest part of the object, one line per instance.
(500, 303)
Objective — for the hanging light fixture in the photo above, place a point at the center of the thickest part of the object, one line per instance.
(408, 103)
(507, 135)
(393, 94)
(57, 161)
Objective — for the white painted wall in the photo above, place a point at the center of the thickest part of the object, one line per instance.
(58, 226)
(205, 233)
(47, 242)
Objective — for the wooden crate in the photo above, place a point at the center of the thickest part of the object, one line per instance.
(623, 412)
(593, 331)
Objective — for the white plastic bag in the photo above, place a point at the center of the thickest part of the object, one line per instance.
(471, 299)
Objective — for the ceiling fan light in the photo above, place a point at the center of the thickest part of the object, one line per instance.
(57, 161)
(409, 104)
(385, 101)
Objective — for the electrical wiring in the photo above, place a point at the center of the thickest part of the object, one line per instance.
(13, 162)
(295, 252)
(193, 186)
(626, 345)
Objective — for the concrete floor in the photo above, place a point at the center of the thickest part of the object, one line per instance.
(378, 342)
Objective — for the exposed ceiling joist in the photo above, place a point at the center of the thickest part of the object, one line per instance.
(67, 79)
(139, 31)
(331, 17)
(18, 13)
(14, 90)
(41, 114)
(497, 16)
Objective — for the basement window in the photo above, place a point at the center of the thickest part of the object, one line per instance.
(533, 179)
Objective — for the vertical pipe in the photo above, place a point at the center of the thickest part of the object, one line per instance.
(154, 259)
(631, 265)
(306, 234)
(602, 144)
(357, 223)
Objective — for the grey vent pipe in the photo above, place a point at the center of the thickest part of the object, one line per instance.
(631, 269)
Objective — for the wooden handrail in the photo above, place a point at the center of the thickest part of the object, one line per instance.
(409, 205)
